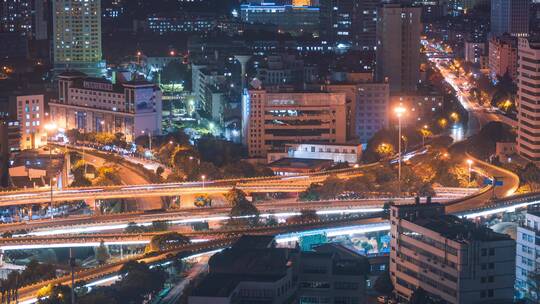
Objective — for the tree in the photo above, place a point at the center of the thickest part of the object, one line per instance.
(59, 294)
(107, 176)
(305, 216)
(530, 175)
(166, 240)
(383, 284)
(331, 188)
(240, 206)
(138, 282)
(74, 135)
(132, 227)
(102, 254)
(203, 201)
(159, 171)
(311, 193)
(160, 225)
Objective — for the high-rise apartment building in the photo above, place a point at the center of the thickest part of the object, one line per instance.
(527, 253)
(510, 16)
(349, 23)
(278, 118)
(16, 17)
(503, 56)
(452, 259)
(398, 47)
(88, 104)
(77, 36)
(528, 139)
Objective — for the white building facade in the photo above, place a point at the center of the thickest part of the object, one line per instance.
(31, 116)
(133, 108)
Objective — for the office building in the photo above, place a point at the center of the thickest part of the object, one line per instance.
(332, 273)
(287, 18)
(77, 36)
(398, 47)
(97, 105)
(503, 57)
(279, 69)
(527, 252)
(510, 17)
(369, 101)
(474, 51)
(31, 116)
(349, 23)
(421, 107)
(528, 83)
(278, 118)
(452, 259)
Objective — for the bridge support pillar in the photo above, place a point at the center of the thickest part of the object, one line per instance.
(1, 258)
(92, 203)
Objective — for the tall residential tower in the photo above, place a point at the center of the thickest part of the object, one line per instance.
(77, 36)
(398, 47)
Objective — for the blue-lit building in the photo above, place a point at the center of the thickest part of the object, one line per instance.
(287, 18)
(510, 16)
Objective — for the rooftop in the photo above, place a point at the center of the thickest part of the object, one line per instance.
(222, 285)
(459, 229)
(301, 163)
(432, 216)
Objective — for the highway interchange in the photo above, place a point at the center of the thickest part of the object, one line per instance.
(89, 230)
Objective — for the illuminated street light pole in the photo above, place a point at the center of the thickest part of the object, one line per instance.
(203, 178)
(51, 127)
(469, 162)
(399, 112)
(424, 132)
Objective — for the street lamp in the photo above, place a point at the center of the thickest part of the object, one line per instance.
(424, 132)
(149, 139)
(400, 111)
(102, 123)
(51, 127)
(469, 162)
(203, 178)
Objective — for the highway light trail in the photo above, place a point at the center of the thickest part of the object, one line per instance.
(91, 229)
(115, 278)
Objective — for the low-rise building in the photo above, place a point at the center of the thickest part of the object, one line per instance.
(332, 273)
(31, 116)
(450, 258)
(253, 270)
(349, 153)
(297, 166)
(97, 105)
